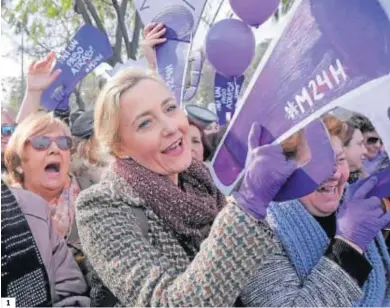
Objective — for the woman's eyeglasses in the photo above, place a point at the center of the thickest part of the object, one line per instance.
(374, 140)
(7, 130)
(43, 142)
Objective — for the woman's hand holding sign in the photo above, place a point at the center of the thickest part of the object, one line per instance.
(267, 169)
(153, 36)
(39, 77)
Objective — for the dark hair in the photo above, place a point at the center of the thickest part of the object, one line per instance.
(211, 142)
(347, 134)
(362, 122)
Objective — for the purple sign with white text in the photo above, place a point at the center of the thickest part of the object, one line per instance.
(328, 49)
(226, 92)
(181, 19)
(88, 48)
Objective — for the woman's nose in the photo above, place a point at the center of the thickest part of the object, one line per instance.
(53, 148)
(169, 127)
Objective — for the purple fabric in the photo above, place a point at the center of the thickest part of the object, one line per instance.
(317, 59)
(370, 165)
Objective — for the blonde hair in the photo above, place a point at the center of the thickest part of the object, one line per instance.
(33, 125)
(88, 149)
(107, 110)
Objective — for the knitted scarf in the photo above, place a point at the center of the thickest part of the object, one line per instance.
(305, 242)
(188, 208)
(23, 274)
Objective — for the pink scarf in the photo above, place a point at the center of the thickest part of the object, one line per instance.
(62, 207)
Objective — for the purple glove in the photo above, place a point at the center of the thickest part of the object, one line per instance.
(267, 169)
(359, 220)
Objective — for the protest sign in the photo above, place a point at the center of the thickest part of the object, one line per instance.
(181, 19)
(313, 66)
(88, 48)
(226, 92)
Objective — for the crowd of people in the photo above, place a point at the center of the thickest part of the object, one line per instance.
(116, 206)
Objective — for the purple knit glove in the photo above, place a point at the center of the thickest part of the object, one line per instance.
(266, 171)
(359, 220)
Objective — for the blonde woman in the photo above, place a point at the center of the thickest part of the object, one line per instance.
(156, 229)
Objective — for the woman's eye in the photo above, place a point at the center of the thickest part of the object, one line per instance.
(171, 107)
(195, 141)
(144, 124)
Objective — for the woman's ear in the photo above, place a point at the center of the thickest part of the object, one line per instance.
(119, 151)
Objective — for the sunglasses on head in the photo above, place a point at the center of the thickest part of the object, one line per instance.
(7, 130)
(374, 140)
(44, 142)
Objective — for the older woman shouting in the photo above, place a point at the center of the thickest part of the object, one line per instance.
(38, 159)
(156, 229)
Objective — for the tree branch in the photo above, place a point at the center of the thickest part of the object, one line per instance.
(80, 8)
(136, 33)
(120, 12)
(95, 16)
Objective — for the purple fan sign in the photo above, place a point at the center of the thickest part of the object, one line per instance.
(88, 48)
(316, 61)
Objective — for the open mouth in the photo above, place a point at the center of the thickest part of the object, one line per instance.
(53, 168)
(174, 148)
(326, 190)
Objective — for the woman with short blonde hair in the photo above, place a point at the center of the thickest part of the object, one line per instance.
(107, 109)
(155, 228)
(33, 125)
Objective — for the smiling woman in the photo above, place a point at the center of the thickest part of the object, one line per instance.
(38, 159)
(156, 224)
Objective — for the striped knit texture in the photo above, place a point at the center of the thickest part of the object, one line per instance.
(23, 273)
(156, 271)
(305, 243)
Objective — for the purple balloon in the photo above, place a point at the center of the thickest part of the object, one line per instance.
(230, 47)
(254, 12)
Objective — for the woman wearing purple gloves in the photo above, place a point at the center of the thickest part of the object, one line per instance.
(326, 255)
(156, 229)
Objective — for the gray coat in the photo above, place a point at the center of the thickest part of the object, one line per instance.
(67, 284)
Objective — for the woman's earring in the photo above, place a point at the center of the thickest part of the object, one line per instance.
(19, 170)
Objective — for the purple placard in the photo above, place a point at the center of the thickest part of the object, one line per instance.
(88, 48)
(318, 58)
(226, 92)
(171, 63)
(180, 17)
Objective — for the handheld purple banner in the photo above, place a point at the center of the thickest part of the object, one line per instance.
(171, 63)
(88, 48)
(226, 92)
(181, 19)
(306, 72)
